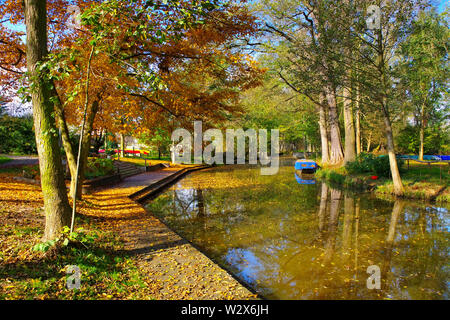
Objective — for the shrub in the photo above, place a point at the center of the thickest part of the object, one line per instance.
(368, 163)
(110, 152)
(98, 167)
(17, 135)
(363, 164)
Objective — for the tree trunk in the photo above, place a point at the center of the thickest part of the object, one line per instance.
(122, 145)
(350, 152)
(369, 142)
(422, 131)
(56, 204)
(67, 144)
(358, 123)
(85, 148)
(324, 140)
(396, 179)
(336, 153)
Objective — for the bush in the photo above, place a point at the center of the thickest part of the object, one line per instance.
(368, 163)
(98, 167)
(110, 152)
(381, 166)
(363, 163)
(17, 135)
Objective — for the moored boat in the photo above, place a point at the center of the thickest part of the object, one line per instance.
(306, 166)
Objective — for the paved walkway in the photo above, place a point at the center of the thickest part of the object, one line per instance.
(174, 267)
(144, 179)
(19, 161)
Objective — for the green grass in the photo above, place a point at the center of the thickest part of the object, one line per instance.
(434, 173)
(340, 177)
(421, 181)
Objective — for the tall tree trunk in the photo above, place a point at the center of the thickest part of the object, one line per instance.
(122, 145)
(422, 131)
(85, 148)
(336, 153)
(56, 204)
(369, 141)
(67, 144)
(324, 140)
(358, 123)
(396, 179)
(350, 152)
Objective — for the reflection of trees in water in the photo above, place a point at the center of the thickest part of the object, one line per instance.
(349, 211)
(416, 252)
(315, 242)
(397, 210)
(356, 241)
(323, 206)
(332, 224)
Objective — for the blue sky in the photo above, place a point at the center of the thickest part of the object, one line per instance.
(441, 6)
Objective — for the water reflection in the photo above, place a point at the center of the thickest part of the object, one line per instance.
(291, 241)
(304, 178)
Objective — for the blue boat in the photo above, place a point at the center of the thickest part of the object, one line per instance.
(306, 166)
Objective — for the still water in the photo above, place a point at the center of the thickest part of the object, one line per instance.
(291, 237)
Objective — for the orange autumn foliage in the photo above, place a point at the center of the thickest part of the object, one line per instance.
(201, 75)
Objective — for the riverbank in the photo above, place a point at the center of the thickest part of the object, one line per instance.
(130, 253)
(429, 182)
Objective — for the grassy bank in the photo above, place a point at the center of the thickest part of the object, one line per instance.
(421, 181)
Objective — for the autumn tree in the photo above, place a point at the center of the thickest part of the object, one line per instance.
(56, 204)
(130, 35)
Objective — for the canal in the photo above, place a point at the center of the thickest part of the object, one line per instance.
(291, 237)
